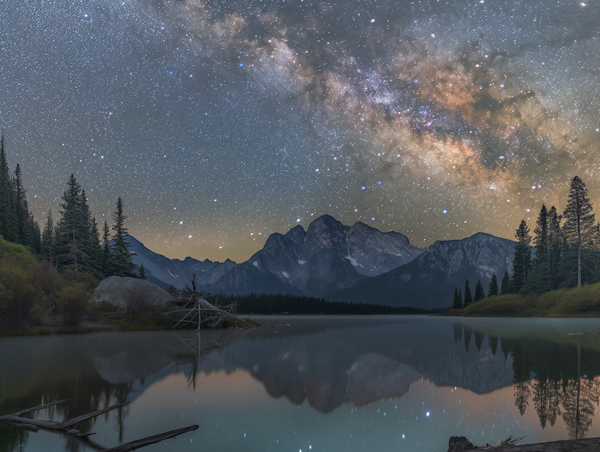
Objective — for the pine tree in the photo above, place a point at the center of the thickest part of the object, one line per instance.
(579, 233)
(505, 285)
(8, 221)
(142, 272)
(522, 258)
(121, 262)
(457, 304)
(460, 298)
(468, 295)
(479, 292)
(555, 243)
(493, 288)
(47, 251)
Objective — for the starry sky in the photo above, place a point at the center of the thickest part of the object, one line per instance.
(220, 121)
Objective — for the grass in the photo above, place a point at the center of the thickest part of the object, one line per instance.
(578, 302)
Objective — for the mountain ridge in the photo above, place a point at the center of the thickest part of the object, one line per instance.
(355, 263)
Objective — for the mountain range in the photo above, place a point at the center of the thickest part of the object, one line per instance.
(355, 263)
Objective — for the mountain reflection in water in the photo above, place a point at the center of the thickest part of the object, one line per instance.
(510, 369)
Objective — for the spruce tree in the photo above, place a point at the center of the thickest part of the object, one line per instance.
(468, 295)
(493, 288)
(479, 292)
(522, 258)
(538, 279)
(555, 244)
(68, 229)
(142, 273)
(121, 262)
(505, 285)
(21, 209)
(579, 233)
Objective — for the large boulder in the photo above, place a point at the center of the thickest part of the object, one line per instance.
(130, 293)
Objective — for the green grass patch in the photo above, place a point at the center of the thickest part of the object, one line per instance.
(578, 302)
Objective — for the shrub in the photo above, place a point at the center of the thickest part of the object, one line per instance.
(72, 302)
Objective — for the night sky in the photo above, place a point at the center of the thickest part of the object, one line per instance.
(220, 122)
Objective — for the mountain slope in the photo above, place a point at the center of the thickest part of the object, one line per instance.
(328, 256)
(163, 271)
(428, 281)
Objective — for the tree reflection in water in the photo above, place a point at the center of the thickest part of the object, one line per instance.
(550, 377)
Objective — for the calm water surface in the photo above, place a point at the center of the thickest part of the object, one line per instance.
(312, 384)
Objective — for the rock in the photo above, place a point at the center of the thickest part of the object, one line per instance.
(130, 292)
(459, 443)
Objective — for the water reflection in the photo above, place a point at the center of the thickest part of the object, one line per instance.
(329, 363)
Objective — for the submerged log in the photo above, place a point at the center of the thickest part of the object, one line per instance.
(150, 440)
(67, 427)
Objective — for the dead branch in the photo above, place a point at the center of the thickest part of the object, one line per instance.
(150, 440)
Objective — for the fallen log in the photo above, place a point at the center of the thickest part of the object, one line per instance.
(150, 440)
(461, 444)
(64, 427)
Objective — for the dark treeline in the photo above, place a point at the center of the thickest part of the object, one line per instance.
(17, 224)
(563, 255)
(263, 303)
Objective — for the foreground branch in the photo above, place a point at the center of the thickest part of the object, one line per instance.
(150, 440)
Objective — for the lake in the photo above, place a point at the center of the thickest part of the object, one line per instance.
(312, 384)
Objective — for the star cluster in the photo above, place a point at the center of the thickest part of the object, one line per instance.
(221, 122)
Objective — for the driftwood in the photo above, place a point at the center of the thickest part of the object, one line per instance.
(150, 440)
(64, 427)
(196, 310)
(34, 425)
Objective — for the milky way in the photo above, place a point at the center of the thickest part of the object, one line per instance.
(219, 122)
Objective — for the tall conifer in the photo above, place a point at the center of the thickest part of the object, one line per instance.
(121, 262)
(579, 232)
(8, 220)
(68, 232)
(556, 244)
(106, 250)
(48, 239)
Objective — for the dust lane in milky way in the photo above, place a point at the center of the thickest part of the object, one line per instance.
(221, 122)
